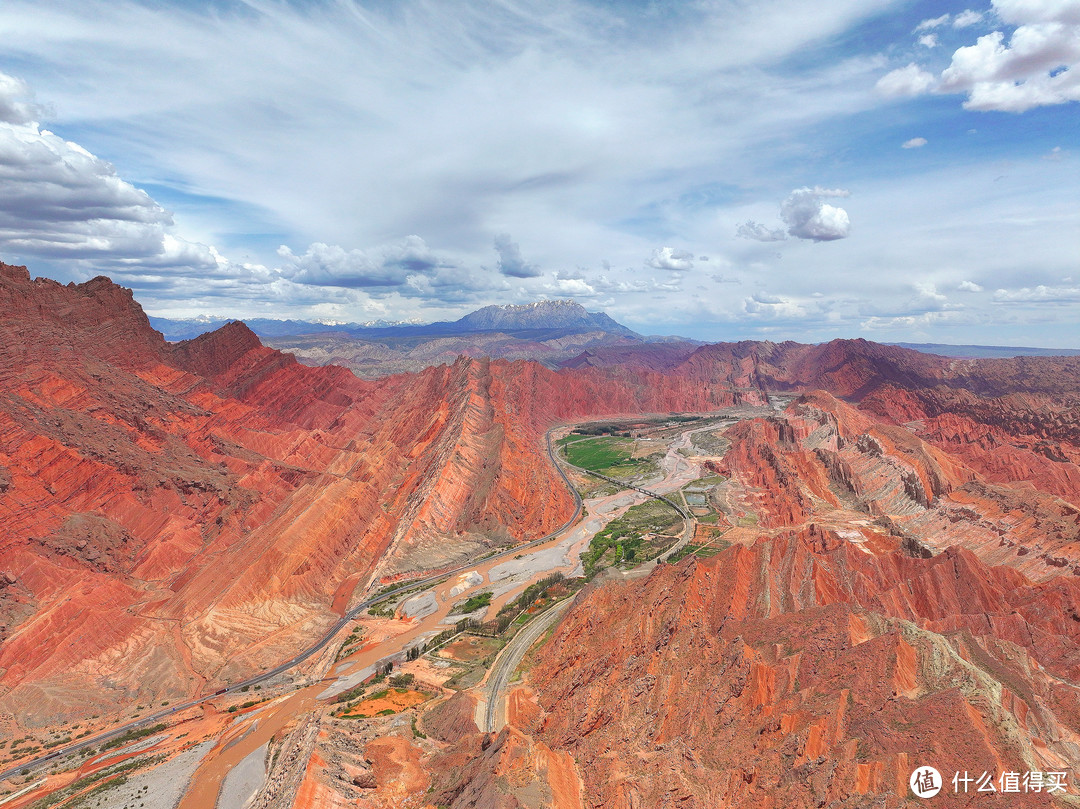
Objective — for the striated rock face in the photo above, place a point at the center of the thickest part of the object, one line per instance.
(176, 516)
(803, 671)
(898, 599)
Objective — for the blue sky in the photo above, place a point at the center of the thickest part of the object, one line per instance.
(719, 169)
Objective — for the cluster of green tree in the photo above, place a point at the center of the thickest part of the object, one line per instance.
(132, 735)
(474, 603)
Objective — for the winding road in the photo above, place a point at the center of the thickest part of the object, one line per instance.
(318, 646)
(677, 472)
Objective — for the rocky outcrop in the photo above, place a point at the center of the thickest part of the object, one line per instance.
(821, 675)
(185, 514)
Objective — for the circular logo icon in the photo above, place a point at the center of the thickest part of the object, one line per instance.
(925, 782)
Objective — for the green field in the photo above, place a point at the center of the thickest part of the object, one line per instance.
(608, 456)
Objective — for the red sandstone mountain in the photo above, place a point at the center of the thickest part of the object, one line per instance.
(178, 515)
(175, 516)
(893, 608)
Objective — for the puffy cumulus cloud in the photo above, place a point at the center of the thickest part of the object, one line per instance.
(572, 287)
(759, 232)
(60, 201)
(808, 216)
(390, 265)
(670, 258)
(1019, 12)
(1038, 294)
(1037, 65)
(913, 323)
(969, 286)
(764, 306)
(928, 297)
(510, 261)
(454, 284)
(905, 81)
(967, 18)
(914, 143)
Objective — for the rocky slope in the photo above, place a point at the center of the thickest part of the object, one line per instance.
(903, 579)
(179, 515)
(820, 674)
(897, 602)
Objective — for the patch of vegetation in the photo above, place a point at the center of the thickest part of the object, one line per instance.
(711, 442)
(385, 608)
(109, 777)
(603, 454)
(622, 542)
(351, 694)
(419, 734)
(132, 735)
(248, 704)
(354, 638)
(473, 603)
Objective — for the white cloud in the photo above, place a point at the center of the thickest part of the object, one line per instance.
(928, 40)
(1019, 12)
(15, 104)
(759, 232)
(575, 287)
(1037, 65)
(969, 286)
(1022, 74)
(60, 201)
(332, 265)
(914, 143)
(909, 323)
(510, 261)
(905, 81)
(762, 305)
(966, 18)
(670, 258)
(1038, 294)
(808, 216)
(935, 22)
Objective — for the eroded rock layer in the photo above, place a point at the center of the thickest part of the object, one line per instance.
(177, 516)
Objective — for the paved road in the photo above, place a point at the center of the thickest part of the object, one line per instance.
(351, 615)
(498, 680)
(509, 658)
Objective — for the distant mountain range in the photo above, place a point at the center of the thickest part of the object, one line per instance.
(551, 332)
(565, 316)
(978, 352)
(559, 333)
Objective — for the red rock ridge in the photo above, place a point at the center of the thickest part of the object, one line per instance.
(821, 675)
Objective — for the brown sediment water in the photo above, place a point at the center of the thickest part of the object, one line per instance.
(237, 745)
